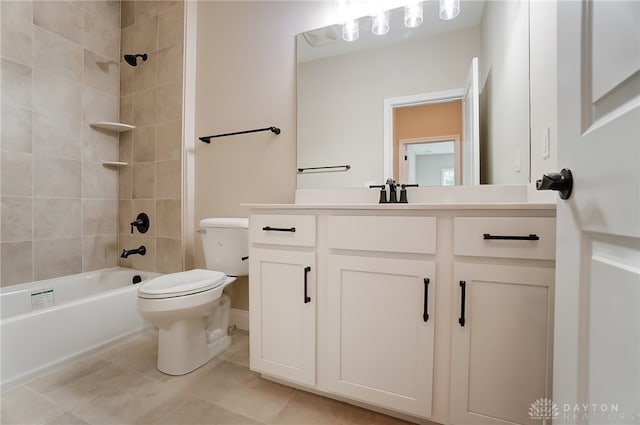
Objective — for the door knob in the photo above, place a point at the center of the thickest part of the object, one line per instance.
(562, 182)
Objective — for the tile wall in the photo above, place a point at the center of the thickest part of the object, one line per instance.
(151, 98)
(60, 72)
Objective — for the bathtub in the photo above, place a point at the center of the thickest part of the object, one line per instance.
(46, 322)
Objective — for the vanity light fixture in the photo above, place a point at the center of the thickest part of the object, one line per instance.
(380, 22)
(413, 14)
(449, 9)
(350, 30)
(349, 13)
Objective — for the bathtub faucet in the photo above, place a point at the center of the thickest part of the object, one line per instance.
(127, 252)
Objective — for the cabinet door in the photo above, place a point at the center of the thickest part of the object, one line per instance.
(380, 340)
(501, 351)
(282, 324)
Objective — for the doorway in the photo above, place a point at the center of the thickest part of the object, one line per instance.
(426, 140)
(433, 161)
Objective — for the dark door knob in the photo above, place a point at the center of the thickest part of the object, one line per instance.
(562, 182)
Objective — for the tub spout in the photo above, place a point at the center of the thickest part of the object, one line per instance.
(127, 252)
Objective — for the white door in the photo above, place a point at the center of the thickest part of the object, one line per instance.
(597, 311)
(471, 128)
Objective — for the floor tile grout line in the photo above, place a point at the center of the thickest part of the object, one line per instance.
(295, 390)
(172, 411)
(55, 403)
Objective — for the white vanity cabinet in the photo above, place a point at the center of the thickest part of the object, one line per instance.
(503, 313)
(380, 311)
(382, 327)
(282, 297)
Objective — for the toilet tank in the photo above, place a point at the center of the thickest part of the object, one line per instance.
(225, 242)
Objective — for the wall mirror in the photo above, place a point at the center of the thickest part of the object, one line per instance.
(352, 95)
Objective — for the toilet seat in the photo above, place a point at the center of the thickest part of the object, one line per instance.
(182, 284)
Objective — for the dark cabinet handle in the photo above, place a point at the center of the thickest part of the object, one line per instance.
(279, 229)
(306, 273)
(531, 237)
(425, 311)
(463, 288)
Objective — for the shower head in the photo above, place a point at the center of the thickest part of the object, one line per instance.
(133, 59)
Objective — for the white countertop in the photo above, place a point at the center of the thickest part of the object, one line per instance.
(415, 206)
(453, 198)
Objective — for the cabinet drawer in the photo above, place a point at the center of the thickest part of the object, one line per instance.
(470, 239)
(390, 234)
(296, 230)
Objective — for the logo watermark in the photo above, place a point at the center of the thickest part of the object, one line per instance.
(544, 409)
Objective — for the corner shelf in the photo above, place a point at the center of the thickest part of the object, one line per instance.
(114, 163)
(112, 126)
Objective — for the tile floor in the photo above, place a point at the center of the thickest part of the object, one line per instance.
(121, 385)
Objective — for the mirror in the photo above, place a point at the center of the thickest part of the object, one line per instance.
(349, 92)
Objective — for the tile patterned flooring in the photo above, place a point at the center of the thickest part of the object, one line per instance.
(121, 385)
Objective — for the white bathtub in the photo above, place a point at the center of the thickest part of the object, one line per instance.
(46, 322)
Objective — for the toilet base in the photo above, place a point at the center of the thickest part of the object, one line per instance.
(187, 344)
(219, 346)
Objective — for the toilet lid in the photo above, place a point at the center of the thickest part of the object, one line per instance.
(182, 283)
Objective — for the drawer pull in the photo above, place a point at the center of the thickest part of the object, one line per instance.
(279, 229)
(531, 237)
(425, 313)
(306, 273)
(463, 290)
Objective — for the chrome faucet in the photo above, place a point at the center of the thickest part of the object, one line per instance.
(127, 252)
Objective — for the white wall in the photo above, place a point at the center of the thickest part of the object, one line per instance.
(429, 168)
(341, 114)
(544, 90)
(504, 82)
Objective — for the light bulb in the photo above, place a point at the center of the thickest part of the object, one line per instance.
(351, 30)
(413, 15)
(380, 23)
(449, 9)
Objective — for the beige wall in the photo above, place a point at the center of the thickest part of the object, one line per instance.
(246, 79)
(151, 99)
(59, 73)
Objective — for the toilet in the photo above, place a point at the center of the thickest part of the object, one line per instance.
(189, 308)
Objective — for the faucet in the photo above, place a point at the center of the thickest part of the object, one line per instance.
(127, 252)
(392, 190)
(403, 192)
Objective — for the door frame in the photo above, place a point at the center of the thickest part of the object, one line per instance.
(412, 100)
(457, 154)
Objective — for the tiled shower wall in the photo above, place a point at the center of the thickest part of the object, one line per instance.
(63, 211)
(59, 73)
(151, 98)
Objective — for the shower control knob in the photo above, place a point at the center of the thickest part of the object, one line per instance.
(141, 223)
